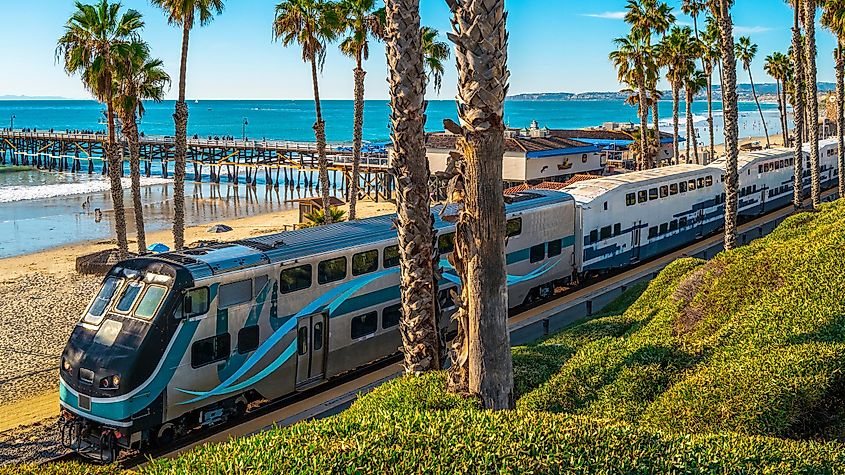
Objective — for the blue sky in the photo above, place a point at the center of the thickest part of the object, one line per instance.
(555, 45)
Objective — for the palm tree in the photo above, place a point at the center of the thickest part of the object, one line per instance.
(745, 52)
(629, 59)
(361, 20)
(407, 80)
(137, 78)
(812, 98)
(480, 233)
(721, 11)
(677, 51)
(694, 83)
(95, 37)
(184, 14)
(833, 17)
(712, 55)
(435, 54)
(310, 24)
(798, 85)
(317, 216)
(774, 67)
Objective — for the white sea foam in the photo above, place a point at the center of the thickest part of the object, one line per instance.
(10, 194)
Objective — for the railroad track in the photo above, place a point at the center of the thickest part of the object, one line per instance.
(541, 319)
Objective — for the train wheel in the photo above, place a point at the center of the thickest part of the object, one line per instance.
(164, 435)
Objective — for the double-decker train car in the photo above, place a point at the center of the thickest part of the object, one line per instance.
(182, 340)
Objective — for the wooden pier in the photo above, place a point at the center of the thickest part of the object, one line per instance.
(280, 162)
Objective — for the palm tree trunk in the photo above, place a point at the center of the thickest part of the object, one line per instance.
(710, 116)
(691, 128)
(759, 109)
(840, 113)
(421, 344)
(320, 135)
(181, 146)
(812, 99)
(643, 162)
(688, 123)
(357, 138)
(782, 114)
(480, 233)
(655, 121)
(729, 104)
(115, 164)
(798, 109)
(676, 102)
(130, 132)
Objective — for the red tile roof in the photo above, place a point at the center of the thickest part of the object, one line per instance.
(446, 141)
(549, 185)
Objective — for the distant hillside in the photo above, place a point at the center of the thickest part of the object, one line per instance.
(743, 91)
(9, 97)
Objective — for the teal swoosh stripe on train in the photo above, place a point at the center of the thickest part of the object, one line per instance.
(235, 361)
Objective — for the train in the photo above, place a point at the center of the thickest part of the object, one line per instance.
(178, 341)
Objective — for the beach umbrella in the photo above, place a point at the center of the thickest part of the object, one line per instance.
(219, 228)
(158, 248)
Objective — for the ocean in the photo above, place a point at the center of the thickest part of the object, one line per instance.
(39, 210)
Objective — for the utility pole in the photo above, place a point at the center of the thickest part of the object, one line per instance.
(243, 130)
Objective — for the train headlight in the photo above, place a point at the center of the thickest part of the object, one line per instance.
(66, 365)
(115, 381)
(112, 382)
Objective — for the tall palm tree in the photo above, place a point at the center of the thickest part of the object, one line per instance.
(95, 37)
(480, 234)
(833, 17)
(184, 14)
(629, 59)
(712, 55)
(798, 86)
(694, 83)
(694, 8)
(138, 78)
(407, 80)
(435, 54)
(677, 51)
(809, 12)
(774, 67)
(721, 11)
(311, 24)
(745, 52)
(361, 21)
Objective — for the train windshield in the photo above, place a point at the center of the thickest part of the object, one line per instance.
(150, 301)
(101, 301)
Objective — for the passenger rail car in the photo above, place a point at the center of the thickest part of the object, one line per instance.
(178, 341)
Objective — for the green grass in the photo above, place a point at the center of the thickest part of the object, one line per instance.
(736, 365)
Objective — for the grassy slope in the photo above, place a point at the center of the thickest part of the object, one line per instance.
(709, 371)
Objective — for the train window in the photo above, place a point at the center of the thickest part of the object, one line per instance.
(364, 325)
(248, 339)
(538, 253)
(708, 180)
(446, 243)
(130, 293)
(554, 247)
(195, 302)
(98, 307)
(605, 233)
(302, 341)
(664, 228)
(391, 256)
(682, 187)
(391, 315)
(617, 229)
(652, 232)
(605, 205)
(317, 336)
(630, 199)
(210, 350)
(642, 196)
(673, 225)
(444, 298)
(259, 283)
(664, 191)
(701, 182)
(365, 262)
(234, 293)
(295, 278)
(514, 227)
(760, 169)
(652, 194)
(673, 189)
(331, 270)
(594, 236)
(682, 222)
(150, 301)
(691, 185)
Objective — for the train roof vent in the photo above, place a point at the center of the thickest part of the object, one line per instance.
(523, 196)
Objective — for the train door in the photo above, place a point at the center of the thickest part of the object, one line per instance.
(311, 339)
(699, 220)
(636, 234)
(763, 200)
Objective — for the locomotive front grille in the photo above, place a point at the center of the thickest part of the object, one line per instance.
(84, 402)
